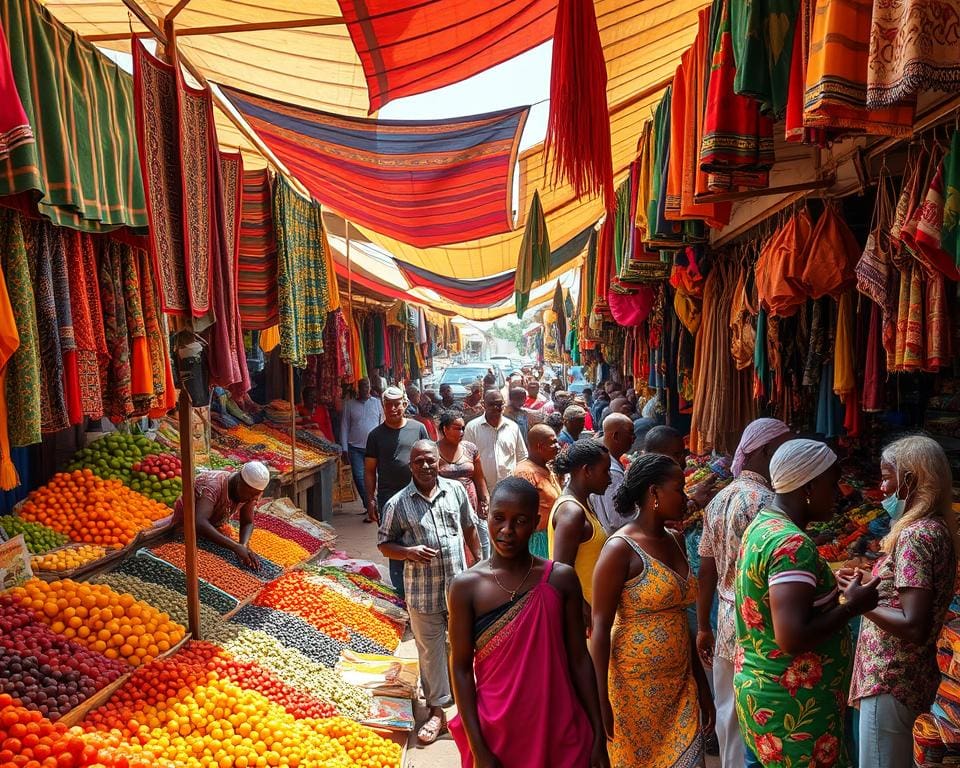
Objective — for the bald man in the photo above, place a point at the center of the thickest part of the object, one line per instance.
(618, 437)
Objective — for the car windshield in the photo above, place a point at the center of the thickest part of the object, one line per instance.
(462, 376)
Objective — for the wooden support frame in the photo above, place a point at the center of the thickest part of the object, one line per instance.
(227, 29)
(803, 186)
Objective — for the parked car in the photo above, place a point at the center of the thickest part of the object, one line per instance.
(460, 377)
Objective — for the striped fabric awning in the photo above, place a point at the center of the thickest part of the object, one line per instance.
(424, 182)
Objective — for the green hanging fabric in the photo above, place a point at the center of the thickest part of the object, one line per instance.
(950, 234)
(534, 262)
(623, 229)
(591, 273)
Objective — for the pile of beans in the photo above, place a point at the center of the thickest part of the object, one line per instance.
(294, 668)
(271, 546)
(362, 644)
(210, 568)
(289, 532)
(162, 598)
(266, 570)
(292, 631)
(39, 538)
(356, 581)
(156, 571)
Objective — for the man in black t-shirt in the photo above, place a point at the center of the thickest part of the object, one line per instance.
(387, 463)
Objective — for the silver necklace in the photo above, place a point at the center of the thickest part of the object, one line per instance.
(513, 592)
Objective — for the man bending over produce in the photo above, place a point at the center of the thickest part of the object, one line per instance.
(218, 496)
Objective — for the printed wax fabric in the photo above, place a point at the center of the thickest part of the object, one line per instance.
(257, 274)
(914, 47)
(23, 378)
(301, 277)
(438, 181)
(781, 695)
(164, 397)
(737, 144)
(533, 263)
(116, 372)
(178, 149)
(414, 46)
(763, 35)
(83, 170)
(15, 130)
(87, 319)
(837, 72)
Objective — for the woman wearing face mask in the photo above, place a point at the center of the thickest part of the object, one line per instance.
(895, 673)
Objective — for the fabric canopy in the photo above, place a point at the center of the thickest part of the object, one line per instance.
(489, 290)
(425, 182)
(412, 46)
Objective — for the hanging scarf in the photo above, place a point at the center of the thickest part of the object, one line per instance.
(950, 233)
(115, 370)
(533, 262)
(87, 319)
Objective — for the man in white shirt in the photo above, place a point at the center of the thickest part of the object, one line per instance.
(361, 415)
(499, 445)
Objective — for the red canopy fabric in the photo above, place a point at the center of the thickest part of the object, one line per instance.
(414, 46)
(424, 182)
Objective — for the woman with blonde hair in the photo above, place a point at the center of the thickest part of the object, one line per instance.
(895, 673)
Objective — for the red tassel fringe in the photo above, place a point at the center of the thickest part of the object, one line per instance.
(578, 129)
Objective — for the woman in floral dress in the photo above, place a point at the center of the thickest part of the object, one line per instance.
(792, 667)
(895, 674)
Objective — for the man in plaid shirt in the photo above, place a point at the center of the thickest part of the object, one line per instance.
(427, 524)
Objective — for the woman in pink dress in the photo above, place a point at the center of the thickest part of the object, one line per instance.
(522, 678)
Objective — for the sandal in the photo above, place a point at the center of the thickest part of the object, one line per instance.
(431, 729)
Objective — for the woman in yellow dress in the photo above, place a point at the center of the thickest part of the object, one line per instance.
(654, 695)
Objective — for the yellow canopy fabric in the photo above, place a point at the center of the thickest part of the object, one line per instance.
(317, 66)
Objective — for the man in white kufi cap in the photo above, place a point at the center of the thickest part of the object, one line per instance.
(220, 495)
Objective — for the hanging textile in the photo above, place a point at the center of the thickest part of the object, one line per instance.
(781, 289)
(87, 319)
(716, 215)
(724, 405)
(795, 129)
(9, 342)
(737, 145)
(742, 333)
(660, 228)
(763, 40)
(877, 277)
(115, 373)
(832, 256)
(79, 103)
(844, 372)
(415, 46)
(53, 397)
(226, 357)
(837, 72)
(950, 234)
(644, 191)
(437, 181)
(141, 367)
(329, 268)
(177, 147)
(874, 370)
(533, 263)
(914, 48)
(15, 130)
(164, 397)
(257, 275)
(927, 235)
(21, 375)
(301, 280)
(675, 157)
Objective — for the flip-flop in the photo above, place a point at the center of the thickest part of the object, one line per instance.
(431, 730)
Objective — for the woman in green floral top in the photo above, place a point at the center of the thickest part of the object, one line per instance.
(895, 674)
(792, 667)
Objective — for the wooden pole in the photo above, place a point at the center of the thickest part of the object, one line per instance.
(230, 29)
(189, 513)
(293, 435)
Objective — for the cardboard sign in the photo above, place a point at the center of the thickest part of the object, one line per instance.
(14, 562)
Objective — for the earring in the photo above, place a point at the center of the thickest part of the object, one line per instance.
(656, 503)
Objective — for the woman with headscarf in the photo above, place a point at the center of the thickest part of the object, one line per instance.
(792, 668)
(895, 674)
(654, 695)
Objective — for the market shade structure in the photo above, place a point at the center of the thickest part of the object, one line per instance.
(425, 182)
(316, 65)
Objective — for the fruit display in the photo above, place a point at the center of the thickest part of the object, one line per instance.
(292, 631)
(270, 546)
(182, 711)
(373, 588)
(155, 571)
(288, 532)
(113, 624)
(112, 456)
(91, 510)
(39, 538)
(228, 578)
(158, 476)
(68, 558)
(45, 671)
(332, 613)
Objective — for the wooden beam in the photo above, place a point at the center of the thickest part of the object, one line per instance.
(230, 29)
(175, 11)
(185, 412)
(646, 93)
(803, 186)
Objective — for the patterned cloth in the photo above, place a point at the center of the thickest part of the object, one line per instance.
(724, 521)
(77, 100)
(257, 275)
(411, 519)
(923, 558)
(301, 275)
(914, 47)
(15, 129)
(164, 397)
(87, 319)
(789, 707)
(462, 470)
(656, 716)
(763, 35)
(23, 381)
(115, 370)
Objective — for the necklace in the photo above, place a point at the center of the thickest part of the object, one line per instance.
(513, 592)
